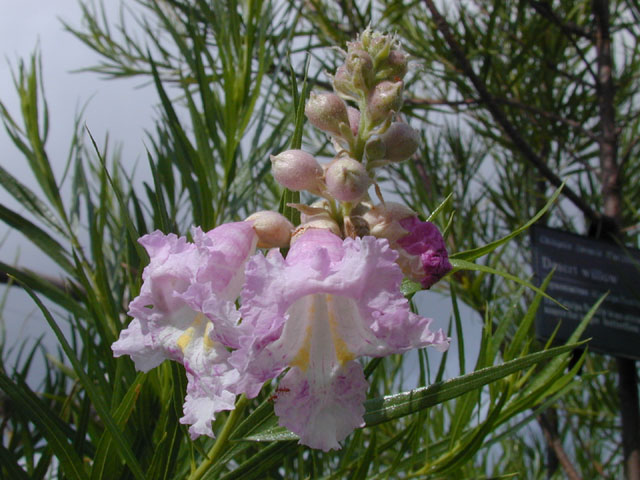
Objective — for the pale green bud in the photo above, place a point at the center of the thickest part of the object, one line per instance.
(385, 99)
(360, 66)
(354, 120)
(394, 67)
(343, 84)
(375, 149)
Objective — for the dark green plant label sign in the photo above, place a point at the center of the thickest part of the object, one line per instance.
(585, 269)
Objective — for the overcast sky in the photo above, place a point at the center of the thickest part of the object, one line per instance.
(115, 106)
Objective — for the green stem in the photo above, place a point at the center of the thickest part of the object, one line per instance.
(221, 441)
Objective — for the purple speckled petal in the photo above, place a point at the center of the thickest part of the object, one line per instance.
(328, 303)
(322, 409)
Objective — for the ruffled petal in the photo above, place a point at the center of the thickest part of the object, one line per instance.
(322, 410)
(206, 396)
(328, 303)
(186, 312)
(224, 252)
(138, 345)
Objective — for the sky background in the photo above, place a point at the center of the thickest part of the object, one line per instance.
(123, 108)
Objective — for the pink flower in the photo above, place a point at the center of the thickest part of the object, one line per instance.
(330, 302)
(422, 253)
(424, 242)
(186, 312)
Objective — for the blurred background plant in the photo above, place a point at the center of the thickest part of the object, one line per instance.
(510, 98)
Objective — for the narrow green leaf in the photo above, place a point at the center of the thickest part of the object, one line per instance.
(471, 255)
(523, 332)
(52, 428)
(395, 406)
(459, 264)
(10, 466)
(120, 416)
(96, 397)
(381, 410)
(255, 467)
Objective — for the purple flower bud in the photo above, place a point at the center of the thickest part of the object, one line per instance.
(425, 241)
(397, 61)
(272, 228)
(326, 111)
(297, 170)
(347, 179)
(385, 98)
(400, 142)
(422, 253)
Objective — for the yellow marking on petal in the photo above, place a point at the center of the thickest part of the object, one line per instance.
(301, 360)
(343, 353)
(185, 338)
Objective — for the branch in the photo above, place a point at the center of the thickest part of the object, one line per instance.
(505, 101)
(551, 436)
(499, 116)
(568, 28)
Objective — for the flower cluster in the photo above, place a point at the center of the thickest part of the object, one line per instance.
(336, 295)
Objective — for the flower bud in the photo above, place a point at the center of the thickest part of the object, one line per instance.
(376, 43)
(385, 98)
(400, 142)
(425, 242)
(360, 66)
(326, 111)
(395, 67)
(354, 120)
(297, 170)
(422, 253)
(384, 220)
(397, 62)
(375, 149)
(272, 228)
(320, 222)
(347, 180)
(343, 84)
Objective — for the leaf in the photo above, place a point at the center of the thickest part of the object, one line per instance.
(120, 415)
(470, 255)
(52, 427)
(459, 264)
(96, 397)
(381, 410)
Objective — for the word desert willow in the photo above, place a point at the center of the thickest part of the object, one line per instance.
(335, 297)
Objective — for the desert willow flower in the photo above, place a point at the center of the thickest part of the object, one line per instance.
(237, 318)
